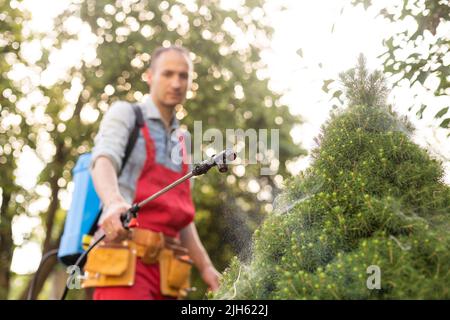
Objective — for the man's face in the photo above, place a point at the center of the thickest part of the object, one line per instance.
(169, 79)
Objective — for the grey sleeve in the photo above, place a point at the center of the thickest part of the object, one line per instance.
(113, 134)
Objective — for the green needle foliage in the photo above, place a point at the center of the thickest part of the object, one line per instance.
(370, 198)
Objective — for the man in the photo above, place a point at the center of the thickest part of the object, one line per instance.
(148, 170)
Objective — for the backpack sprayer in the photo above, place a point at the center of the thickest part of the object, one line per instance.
(129, 218)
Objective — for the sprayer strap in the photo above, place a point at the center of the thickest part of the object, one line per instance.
(138, 124)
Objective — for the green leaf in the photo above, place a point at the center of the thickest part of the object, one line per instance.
(421, 110)
(337, 94)
(441, 112)
(367, 4)
(326, 83)
(421, 77)
(445, 124)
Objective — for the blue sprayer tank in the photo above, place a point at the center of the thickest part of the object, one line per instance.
(82, 214)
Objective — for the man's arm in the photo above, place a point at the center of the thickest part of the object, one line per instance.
(106, 162)
(190, 239)
(105, 181)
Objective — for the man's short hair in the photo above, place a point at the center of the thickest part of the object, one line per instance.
(158, 52)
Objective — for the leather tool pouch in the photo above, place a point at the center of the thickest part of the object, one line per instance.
(110, 265)
(149, 244)
(175, 274)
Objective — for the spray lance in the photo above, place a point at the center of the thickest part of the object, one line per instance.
(129, 218)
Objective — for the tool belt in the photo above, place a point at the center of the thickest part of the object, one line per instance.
(111, 264)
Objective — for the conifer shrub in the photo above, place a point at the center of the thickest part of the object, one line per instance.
(371, 198)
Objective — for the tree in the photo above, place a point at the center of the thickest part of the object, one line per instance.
(367, 220)
(227, 92)
(405, 57)
(12, 138)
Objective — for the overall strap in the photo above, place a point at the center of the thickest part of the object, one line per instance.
(185, 155)
(149, 145)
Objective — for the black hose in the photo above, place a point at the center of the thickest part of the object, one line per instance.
(36, 274)
(78, 262)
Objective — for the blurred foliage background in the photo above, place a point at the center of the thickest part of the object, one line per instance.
(416, 53)
(405, 57)
(51, 104)
(226, 93)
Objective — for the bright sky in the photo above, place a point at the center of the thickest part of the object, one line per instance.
(306, 25)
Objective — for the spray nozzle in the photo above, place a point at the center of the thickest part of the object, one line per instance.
(220, 160)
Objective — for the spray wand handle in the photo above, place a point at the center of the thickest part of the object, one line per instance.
(129, 218)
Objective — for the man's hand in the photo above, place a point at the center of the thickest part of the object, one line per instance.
(112, 225)
(211, 277)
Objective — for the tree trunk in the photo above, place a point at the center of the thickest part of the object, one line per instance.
(53, 208)
(48, 266)
(59, 280)
(44, 273)
(58, 163)
(6, 246)
(51, 262)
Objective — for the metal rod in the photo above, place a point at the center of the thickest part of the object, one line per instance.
(170, 186)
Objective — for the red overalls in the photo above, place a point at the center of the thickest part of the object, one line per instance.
(168, 213)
